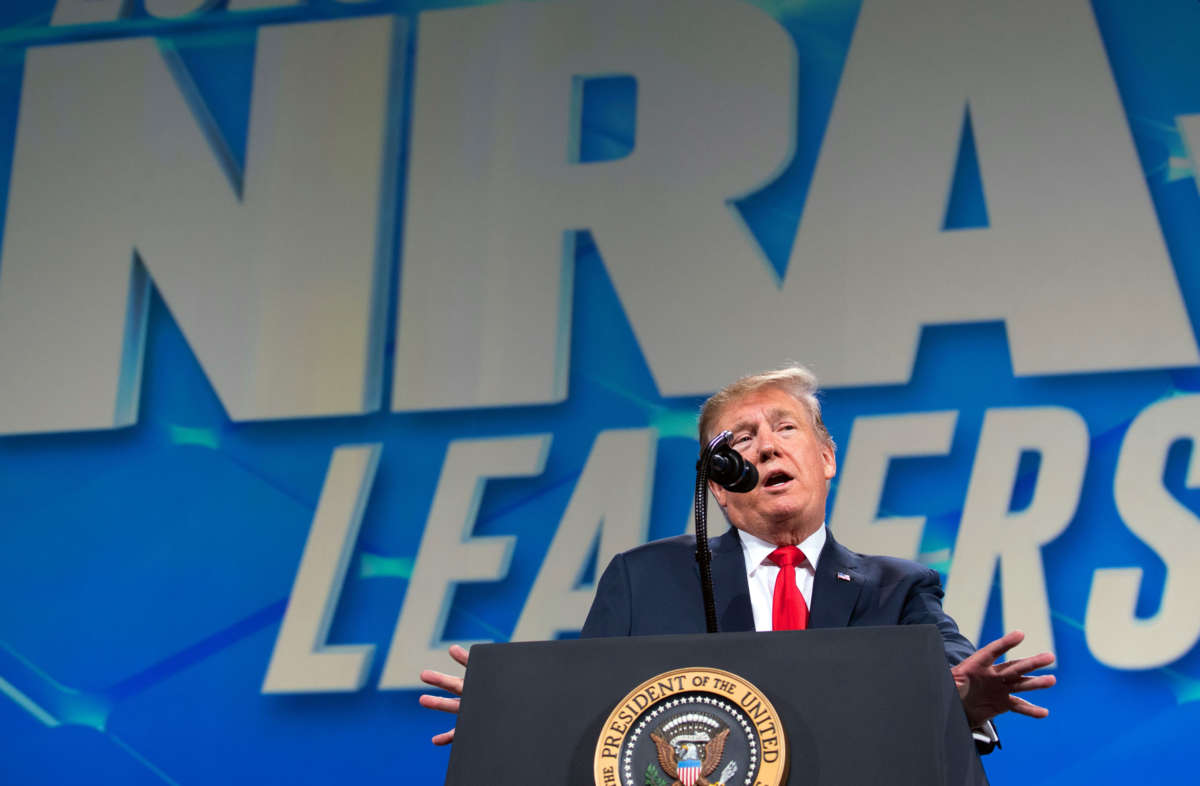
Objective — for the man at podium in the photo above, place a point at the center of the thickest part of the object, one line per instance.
(779, 568)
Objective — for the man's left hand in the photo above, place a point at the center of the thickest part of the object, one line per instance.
(987, 688)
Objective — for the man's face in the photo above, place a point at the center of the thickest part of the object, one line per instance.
(774, 432)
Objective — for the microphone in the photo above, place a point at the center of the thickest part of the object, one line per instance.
(719, 462)
(728, 467)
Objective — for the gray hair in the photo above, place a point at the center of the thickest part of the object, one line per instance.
(797, 381)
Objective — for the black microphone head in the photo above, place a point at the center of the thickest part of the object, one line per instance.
(731, 470)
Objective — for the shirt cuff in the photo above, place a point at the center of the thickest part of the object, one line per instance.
(986, 739)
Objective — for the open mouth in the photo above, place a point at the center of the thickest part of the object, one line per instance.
(776, 478)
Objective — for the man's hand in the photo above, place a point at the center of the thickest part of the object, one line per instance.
(447, 683)
(987, 689)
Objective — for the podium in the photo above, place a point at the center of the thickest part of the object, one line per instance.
(857, 705)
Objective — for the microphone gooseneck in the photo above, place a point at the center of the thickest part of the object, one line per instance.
(726, 466)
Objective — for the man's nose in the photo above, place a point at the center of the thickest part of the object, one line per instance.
(766, 449)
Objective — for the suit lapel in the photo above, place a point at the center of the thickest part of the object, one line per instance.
(730, 584)
(836, 586)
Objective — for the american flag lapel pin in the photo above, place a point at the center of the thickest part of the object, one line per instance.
(843, 576)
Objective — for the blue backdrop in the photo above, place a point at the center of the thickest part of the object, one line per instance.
(146, 564)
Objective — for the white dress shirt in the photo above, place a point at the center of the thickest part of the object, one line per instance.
(761, 572)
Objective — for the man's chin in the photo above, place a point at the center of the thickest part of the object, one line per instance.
(782, 525)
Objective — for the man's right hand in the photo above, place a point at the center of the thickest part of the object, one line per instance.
(447, 683)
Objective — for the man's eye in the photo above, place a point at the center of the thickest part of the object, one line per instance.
(787, 427)
(743, 439)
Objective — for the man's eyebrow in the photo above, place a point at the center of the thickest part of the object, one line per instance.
(774, 413)
(742, 425)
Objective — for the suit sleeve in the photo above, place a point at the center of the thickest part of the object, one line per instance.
(923, 606)
(611, 612)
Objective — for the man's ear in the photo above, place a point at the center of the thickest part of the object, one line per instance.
(829, 460)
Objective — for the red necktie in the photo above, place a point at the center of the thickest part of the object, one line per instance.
(788, 609)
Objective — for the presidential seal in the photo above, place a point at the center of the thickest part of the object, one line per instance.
(692, 727)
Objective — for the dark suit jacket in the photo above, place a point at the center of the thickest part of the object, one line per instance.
(655, 589)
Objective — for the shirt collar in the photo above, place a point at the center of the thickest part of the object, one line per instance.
(756, 550)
